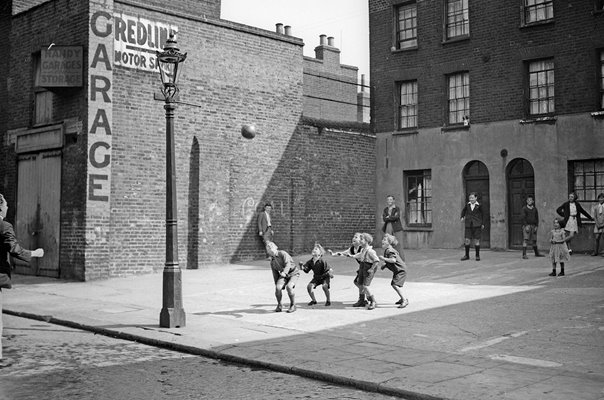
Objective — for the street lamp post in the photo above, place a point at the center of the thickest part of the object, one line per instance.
(172, 313)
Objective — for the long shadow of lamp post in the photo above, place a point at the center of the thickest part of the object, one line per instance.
(172, 313)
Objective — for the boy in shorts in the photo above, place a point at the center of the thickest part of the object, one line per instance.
(285, 275)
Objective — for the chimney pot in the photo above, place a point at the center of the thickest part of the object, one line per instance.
(279, 28)
(288, 30)
(330, 41)
(322, 40)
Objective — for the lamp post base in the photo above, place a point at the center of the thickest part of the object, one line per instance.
(172, 313)
(172, 318)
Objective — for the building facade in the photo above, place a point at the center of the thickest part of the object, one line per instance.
(475, 96)
(83, 139)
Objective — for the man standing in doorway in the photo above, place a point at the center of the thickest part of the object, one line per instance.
(473, 217)
(265, 228)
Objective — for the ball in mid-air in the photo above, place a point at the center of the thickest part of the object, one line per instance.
(248, 131)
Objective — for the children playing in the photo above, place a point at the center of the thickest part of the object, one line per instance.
(558, 252)
(395, 263)
(322, 274)
(354, 249)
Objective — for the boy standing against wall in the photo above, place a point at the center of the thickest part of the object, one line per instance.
(530, 224)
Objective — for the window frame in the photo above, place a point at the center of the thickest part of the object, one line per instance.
(550, 88)
(413, 106)
(426, 202)
(536, 3)
(413, 42)
(588, 193)
(42, 102)
(465, 21)
(465, 117)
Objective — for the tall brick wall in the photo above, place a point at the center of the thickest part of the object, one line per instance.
(322, 190)
(493, 55)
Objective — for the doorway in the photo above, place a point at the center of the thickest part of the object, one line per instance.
(520, 184)
(38, 211)
(476, 179)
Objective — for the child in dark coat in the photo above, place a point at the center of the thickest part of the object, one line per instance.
(322, 274)
(473, 218)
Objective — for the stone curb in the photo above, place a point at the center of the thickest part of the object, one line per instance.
(302, 372)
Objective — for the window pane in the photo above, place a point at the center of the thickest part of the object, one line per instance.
(459, 97)
(541, 87)
(408, 104)
(538, 10)
(458, 22)
(406, 30)
(588, 180)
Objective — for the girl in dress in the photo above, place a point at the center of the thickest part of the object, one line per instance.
(558, 252)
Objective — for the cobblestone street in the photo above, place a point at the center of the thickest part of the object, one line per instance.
(43, 360)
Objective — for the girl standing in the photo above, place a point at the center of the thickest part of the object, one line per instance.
(395, 263)
(558, 252)
(571, 212)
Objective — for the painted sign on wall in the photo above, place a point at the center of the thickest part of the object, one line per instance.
(61, 66)
(137, 39)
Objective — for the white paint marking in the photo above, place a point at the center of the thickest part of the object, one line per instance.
(493, 341)
(524, 360)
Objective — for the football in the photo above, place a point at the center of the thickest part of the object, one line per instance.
(248, 131)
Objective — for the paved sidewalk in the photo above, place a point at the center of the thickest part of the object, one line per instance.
(499, 328)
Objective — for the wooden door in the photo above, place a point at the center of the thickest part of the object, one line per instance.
(476, 179)
(38, 210)
(521, 183)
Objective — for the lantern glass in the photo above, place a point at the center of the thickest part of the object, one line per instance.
(169, 63)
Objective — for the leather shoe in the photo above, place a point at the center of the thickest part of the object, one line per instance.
(464, 258)
(291, 309)
(278, 309)
(312, 303)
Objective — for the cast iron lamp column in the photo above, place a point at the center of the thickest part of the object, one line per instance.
(172, 313)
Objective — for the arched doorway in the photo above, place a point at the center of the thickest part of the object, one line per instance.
(476, 179)
(521, 183)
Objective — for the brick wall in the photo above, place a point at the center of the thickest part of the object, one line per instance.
(322, 190)
(494, 55)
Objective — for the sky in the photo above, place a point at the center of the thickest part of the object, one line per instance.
(346, 20)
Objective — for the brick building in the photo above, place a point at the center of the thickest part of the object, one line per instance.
(330, 88)
(477, 96)
(83, 139)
